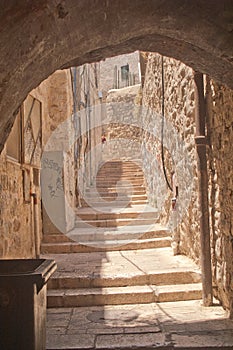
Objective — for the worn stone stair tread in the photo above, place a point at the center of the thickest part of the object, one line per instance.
(114, 222)
(120, 184)
(107, 216)
(122, 180)
(115, 214)
(129, 174)
(134, 190)
(161, 242)
(111, 242)
(124, 201)
(128, 263)
(123, 184)
(154, 289)
(132, 184)
(114, 174)
(122, 295)
(73, 280)
(103, 233)
(110, 204)
(133, 218)
(124, 230)
(124, 175)
(133, 204)
(115, 171)
(141, 208)
(100, 291)
(65, 247)
(119, 198)
(124, 235)
(102, 192)
(126, 180)
(178, 292)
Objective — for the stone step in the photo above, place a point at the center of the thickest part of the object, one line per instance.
(120, 172)
(122, 295)
(109, 183)
(121, 193)
(114, 187)
(115, 222)
(98, 246)
(118, 177)
(118, 198)
(89, 214)
(94, 203)
(127, 233)
(102, 192)
(120, 165)
(121, 162)
(103, 234)
(55, 238)
(176, 276)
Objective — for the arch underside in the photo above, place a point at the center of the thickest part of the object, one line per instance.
(38, 38)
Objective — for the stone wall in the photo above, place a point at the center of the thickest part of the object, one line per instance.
(110, 76)
(57, 32)
(180, 156)
(55, 93)
(89, 125)
(96, 116)
(122, 124)
(177, 104)
(220, 131)
(16, 216)
(18, 180)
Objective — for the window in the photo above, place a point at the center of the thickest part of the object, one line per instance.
(32, 127)
(13, 144)
(24, 143)
(125, 72)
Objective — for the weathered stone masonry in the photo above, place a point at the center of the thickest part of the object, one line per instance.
(16, 222)
(122, 123)
(220, 130)
(17, 232)
(179, 118)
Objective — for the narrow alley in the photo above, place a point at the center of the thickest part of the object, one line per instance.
(116, 177)
(118, 284)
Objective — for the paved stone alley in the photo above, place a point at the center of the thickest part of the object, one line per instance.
(183, 324)
(118, 284)
(170, 325)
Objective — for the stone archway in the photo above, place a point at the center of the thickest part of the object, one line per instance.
(39, 38)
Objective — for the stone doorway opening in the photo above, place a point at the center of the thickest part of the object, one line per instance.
(48, 49)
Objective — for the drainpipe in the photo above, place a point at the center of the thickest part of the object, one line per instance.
(36, 225)
(201, 143)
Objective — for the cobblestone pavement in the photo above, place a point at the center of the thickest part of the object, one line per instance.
(170, 325)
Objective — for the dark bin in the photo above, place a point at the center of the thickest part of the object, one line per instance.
(23, 285)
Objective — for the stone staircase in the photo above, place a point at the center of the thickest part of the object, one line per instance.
(115, 215)
(118, 253)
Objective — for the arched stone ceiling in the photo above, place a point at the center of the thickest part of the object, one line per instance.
(39, 37)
